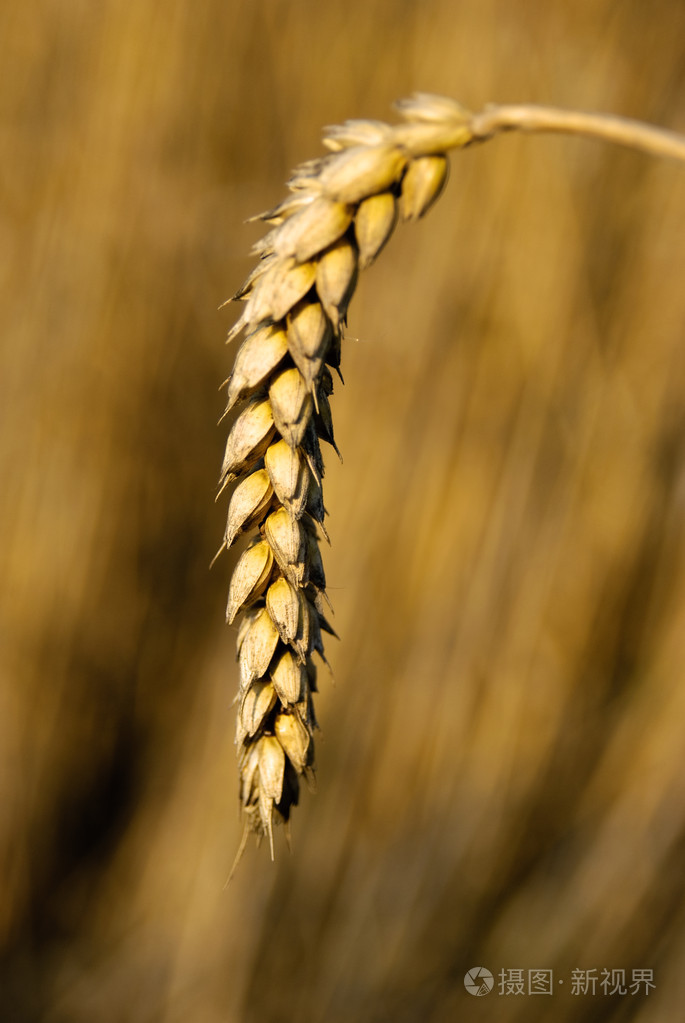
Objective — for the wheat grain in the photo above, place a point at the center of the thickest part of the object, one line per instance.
(342, 210)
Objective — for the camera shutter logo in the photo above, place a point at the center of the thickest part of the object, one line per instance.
(479, 981)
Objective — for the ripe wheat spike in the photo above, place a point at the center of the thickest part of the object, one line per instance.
(342, 209)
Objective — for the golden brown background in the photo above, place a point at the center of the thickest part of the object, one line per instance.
(501, 768)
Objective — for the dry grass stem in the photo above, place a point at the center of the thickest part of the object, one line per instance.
(605, 127)
(342, 210)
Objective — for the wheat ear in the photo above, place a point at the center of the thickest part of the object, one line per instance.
(341, 211)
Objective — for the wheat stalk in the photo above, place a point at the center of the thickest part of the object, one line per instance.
(341, 211)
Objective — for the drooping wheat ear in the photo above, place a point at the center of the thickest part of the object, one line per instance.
(341, 212)
(342, 209)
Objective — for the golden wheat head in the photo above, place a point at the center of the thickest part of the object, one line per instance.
(341, 211)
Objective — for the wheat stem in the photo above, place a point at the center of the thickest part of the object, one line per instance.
(606, 127)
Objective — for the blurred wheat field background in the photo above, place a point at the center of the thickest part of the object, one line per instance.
(501, 775)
